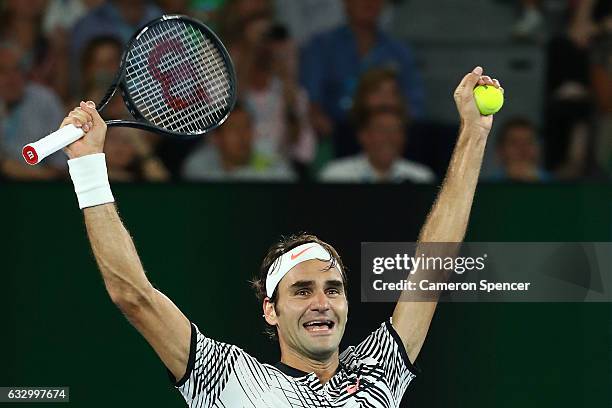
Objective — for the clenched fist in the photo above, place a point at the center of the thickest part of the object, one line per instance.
(86, 117)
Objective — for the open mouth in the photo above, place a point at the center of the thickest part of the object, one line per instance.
(319, 326)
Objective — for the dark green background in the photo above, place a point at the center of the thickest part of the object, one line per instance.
(201, 243)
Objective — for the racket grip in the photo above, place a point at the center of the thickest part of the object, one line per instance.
(34, 153)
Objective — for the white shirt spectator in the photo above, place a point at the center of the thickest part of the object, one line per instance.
(357, 169)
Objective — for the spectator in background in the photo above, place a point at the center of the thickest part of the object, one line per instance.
(129, 157)
(427, 142)
(279, 105)
(120, 18)
(100, 60)
(378, 88)
(130, 152)
(333, 61)
(233, 156)
(267, 62)
(232, 20)
(63, 14)
(518, 152)
(569, 135)
(99, 63)
(28, 111)
(601, 85)
(382, 135)
(44, 56)
(242, 26)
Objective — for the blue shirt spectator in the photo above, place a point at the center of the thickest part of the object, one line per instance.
(331, 65)
(119, 18)
(518, 151)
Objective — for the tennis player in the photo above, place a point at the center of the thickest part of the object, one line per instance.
(302, 286)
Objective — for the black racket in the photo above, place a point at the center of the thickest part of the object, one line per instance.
(176, 78)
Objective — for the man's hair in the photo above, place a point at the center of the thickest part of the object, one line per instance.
(284, 245)
(367, 116)
(96, 42)
(231, 22)
(368, 83)
(512, 123)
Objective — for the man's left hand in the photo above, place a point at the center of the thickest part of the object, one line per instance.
(466, 105)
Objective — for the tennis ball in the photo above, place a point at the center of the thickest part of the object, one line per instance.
(489, 99)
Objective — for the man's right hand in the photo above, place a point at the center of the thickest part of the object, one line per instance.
(86, 117)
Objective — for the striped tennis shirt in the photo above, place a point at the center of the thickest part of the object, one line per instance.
(375, 373)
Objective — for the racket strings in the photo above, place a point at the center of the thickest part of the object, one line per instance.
(170, 66)
(187, 85)
(177, 78)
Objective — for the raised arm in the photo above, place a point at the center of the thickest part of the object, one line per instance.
(161, 323)
(448, 218)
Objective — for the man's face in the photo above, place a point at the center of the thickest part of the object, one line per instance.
(519, 146)
(311, 310)
(383, 140)
(364, 12)
(254, 18)
(12, 80)
(103, 64)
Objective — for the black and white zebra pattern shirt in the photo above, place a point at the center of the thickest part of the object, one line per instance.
(375, 373)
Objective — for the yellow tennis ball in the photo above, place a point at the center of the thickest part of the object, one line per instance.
(489, 99)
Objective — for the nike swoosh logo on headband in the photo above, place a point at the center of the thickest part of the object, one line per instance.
(295, 256)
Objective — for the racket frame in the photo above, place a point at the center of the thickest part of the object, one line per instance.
(141, 122)
(34, 152)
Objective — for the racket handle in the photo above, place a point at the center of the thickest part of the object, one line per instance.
(34, 153)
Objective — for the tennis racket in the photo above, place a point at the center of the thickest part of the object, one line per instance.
(176, 79)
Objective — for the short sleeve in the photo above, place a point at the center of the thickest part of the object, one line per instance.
(386, 348)
(209, 366)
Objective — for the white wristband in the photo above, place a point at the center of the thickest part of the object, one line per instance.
(90, 180)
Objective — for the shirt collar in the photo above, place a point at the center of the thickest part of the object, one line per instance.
(295, 373)
(373, 176)
(290, 371)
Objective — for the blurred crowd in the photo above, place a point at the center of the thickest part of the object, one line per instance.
(326, 93)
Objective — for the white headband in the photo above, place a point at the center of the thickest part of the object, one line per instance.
(284, 263)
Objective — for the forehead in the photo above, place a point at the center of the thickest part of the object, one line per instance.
(311, 270)
(107, 47)
(519, 135)
(520, 130)
(386, 84)
(386, 120)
